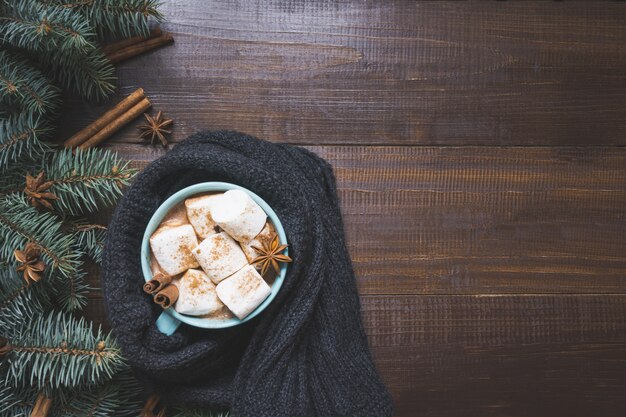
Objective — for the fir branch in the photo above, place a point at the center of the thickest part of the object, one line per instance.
(115, 18)
(59, 351)
(20, 302)
(71, 292)
(21, 223)
(64, 44)
(84, 181)
(118, 397)
(25, 89)
(87, 180)
(92, 76)
(36, 27)
(16, 402)
(89, 238)
(20, 136)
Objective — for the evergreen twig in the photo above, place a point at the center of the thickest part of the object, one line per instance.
(21, 223)
(115, 18)
(118, 397)
(60, 351)
(64, 42)
(20, 136)
(86, 180)
(24, 88)
(20, 302)
(89, 238)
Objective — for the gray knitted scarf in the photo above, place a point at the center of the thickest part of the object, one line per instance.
(306, 354)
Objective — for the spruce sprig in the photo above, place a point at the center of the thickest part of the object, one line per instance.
(89, 238)
(16, 402)
(64, 43)
(21, 223)
(20, 136)
(37, 27)
(119, 397)
(20, 302)
(83, 180)
(71, 292)
(86, 180)
(23, 88)
(60, 351)
(115, 18)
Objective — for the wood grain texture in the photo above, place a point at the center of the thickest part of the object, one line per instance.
(479, 220)
(393, 72)
(479, 152)
(537, 355)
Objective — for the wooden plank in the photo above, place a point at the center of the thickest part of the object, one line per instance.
(478, 220)
(557, 355)
(500, 355)
(393, 72)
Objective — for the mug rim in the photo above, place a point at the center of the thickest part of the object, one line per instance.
(181, 195)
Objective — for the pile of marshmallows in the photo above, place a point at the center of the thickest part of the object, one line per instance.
(225, 276)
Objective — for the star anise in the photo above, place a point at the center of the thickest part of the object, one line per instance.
(270, 254)
(156, 128)
(31, 265)
(37, 191)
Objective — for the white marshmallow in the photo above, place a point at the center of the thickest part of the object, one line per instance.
(243, 291)
(236, 213)
(172, 248)
(197, 295)
(264, 236)
(219, 256)
(199, 214)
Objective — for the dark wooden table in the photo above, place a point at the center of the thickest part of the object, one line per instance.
(479, 151)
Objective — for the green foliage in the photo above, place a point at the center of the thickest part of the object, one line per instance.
(114, 18)
(71, 292)
(118, 397)
(83, 180)
(20, 302)
(60, 351)
(21, 223)
(64, 42)
(52, 351)
(16, 402)
(87, 180)
(89, 238)
(20, 137)
(23, 88)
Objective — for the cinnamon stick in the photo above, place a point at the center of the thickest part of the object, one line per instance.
(151, 406)
(167, 296)
(106, 119)
(117, 124)
(116, 46)
(157, 283)
(140, 48)
(42, 406)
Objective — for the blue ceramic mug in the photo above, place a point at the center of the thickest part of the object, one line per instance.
(169, 320)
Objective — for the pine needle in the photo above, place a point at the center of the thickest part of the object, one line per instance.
(87, 180)
(21, 223)
(24, 88)
(115, 18)
(20, 302)
(89, 238)
(20, 137)
(60, 351)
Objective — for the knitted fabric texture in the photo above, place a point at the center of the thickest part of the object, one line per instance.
(306, 354)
